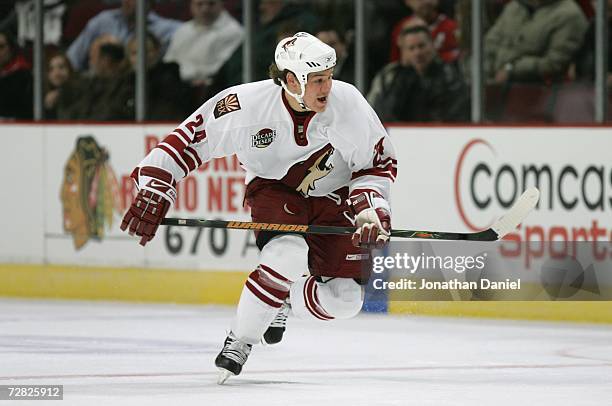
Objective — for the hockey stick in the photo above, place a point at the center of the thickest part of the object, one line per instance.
(508, 222)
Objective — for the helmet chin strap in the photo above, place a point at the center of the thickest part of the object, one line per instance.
(297, 97)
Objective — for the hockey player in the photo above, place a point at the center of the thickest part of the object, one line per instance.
(313, 154)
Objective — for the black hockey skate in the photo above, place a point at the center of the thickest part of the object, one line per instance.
(274, 333)
(232, 357)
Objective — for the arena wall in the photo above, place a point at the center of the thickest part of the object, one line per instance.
(61, 235)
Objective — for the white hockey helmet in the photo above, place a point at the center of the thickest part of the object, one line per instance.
(302, 54)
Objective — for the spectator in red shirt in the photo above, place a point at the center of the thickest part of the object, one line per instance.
(442, 29)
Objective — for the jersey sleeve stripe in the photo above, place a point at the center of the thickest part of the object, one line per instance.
(386, 161)
(172, 153)
(378, 174)
(180, 149)
(189, 160)
(389, 171)
(176, 152)
(174, 140)
(184, 136)
(194, 155)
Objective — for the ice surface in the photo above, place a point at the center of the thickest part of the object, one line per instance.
(135, 354)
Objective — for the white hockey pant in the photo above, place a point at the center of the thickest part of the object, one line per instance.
(281, 273)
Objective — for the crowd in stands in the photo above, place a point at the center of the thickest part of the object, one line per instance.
(420, 85)
(538, 57)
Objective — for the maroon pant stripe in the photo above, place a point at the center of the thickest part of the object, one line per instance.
(261, 296)
(311, 300)
(274, 273)
(278, 291)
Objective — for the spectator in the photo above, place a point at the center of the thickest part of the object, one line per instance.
(534, 41)
(119, 23)
(202, 45)
(94, 50)
(345, 62)
(100, 96)
(59, 72)
(110, 61)
(274, 16)
(419, 87)
(442, 29)
(463, 17)
(168, 98)
(15, 80)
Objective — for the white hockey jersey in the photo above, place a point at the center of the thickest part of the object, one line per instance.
(346, 145)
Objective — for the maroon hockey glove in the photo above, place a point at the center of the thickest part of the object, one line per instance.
(151, 203)
(372, 217)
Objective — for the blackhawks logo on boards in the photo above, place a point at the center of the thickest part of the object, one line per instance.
(89, 192)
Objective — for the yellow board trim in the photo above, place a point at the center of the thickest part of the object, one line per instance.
(125, 284)
(224, 287)
(587, 312)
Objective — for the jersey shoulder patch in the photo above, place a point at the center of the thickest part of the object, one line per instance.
(227, 105)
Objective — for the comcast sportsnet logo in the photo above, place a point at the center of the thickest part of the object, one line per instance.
(575, 189)
(467, 166)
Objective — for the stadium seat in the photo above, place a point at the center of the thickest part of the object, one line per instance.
(528, 103)
(575, 103)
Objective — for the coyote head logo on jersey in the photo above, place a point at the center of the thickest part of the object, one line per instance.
(319, 169)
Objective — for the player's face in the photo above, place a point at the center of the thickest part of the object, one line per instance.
(317, 90)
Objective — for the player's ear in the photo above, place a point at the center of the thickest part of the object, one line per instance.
(292, 82)
(291, 79)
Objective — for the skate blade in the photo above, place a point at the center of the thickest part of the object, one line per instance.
(223, 375)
